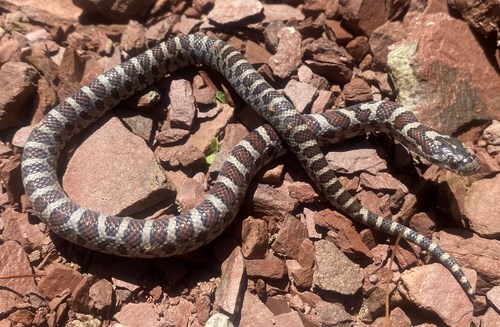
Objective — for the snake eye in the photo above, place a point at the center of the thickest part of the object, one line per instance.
(453, 163)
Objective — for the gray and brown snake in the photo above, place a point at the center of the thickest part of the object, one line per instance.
(130, 237)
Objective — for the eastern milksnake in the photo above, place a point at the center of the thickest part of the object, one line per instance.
(188, 231)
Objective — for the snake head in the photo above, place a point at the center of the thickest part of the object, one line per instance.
(455, 156)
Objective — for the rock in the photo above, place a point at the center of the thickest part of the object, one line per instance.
(14, 261)
(470, 250)
(234, 11)
(287, 58)
(490, 318)
(281, 12)
(256, 54)
(329, 60)
(302, 278)
(363, 16)
(101, 294)
(380, 41)
(340, 34)
(397, 318)
(59, 278)
(481, 15)
(139, 314)
(357, 91)
(382, 182)
(18, 80)
(229, 293)
(127, 188)
(269, 201)
(306, 254)
(482, 211)
(270, 267)
(290, 237)
(491, 134)
(301, 95)
(254, 237)
(115, 11)
(432, 66)
(358, 48)
(333, 314)
(334, 272)
(254, 313)
(432, 287)
(182, 108)
(493, 297)
(133, 40)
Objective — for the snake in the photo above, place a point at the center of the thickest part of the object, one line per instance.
(286, 130)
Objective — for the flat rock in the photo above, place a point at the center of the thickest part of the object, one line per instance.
(483, 211)
(254, 313)
(59, 278)
(432, 287)
(138, 314)
(433, 66)
(232, 11)
(14, 261)
(333, 271)
(114, 171)
(287, 58)
(229, 294)
(254, 238)
(363, 16)
(290, 237)
(301, 94)
(115, 11)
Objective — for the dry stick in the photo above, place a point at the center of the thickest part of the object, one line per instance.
(21, 276)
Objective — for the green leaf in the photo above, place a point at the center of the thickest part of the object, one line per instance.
(214, 149)
(221, 97)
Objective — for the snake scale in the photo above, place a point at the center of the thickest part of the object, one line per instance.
(130, 237)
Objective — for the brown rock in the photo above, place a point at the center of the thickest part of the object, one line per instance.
(100, 157)
(228, 295)
(281, 12)
(327, 59)
(432, 65)
(233, 11)
(256, 54)
(490, 318)
(380, 41)
(289, 319)
(357, 91)
(287, 58)
(334, 272)
(115, 11)
(340, 34)
(493, 297)
(18, 80)
(301, 277)
(382, 182)
(14, 261)
(271, 267)
(483, 16)
(289, 238)
(352, 159)
(432, 287)
(182, 109)
(491, 134)
(424, 223)
(323, 101)
(255, 238)
(306, 254)
(483, 211)
(278, 305)
(133, 40)
(23, 317)
(301, 95)
(102, 295)
(59, 278)
(358, 48)
(363, 16)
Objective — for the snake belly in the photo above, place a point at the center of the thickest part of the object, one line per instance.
(287, 129)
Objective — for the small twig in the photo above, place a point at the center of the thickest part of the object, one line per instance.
(21, 276)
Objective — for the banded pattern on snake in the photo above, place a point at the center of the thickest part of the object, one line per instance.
(175, 235)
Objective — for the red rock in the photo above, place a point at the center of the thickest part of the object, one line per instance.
(334, 272)
(281, 12)
(357, 91)
(382, 182)
(101, 294)
(290, 236)
(139, 314)
(424, 223)
(14, 261)
(360, 157)
(287, 58)
(306, 254)
(133, 40)
(301, 95)
(182, 109)
(381, 40)
(233, 11)
(490, 318)
(358, 48)
(271, 267)
(289, 319)
(493, 297)
(254, 313)
(482, 211)
(302, 278)
(255, 237)
(228, 295)
(491, 134)
(18, 80)
(22, 317)
(268, 201)
(433, 65)
(363, 16)
(58, 278)
(432, 287)
(329, 60)
(470, 250)
(340, 34)
(278, 305)
(127, 188)
(186, 25)
(332, 314)
(481, 15)
(256, 54)
(323, 101)
(303, 192)
(328, 7)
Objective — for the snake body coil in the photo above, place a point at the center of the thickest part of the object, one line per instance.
(166, 237)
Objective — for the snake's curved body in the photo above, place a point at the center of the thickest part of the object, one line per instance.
(175, 235)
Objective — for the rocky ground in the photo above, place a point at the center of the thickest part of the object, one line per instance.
(289, 259)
